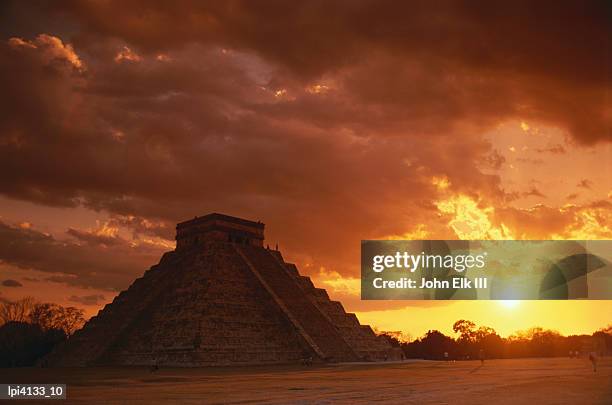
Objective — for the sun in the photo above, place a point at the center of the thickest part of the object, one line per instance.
(510, 304)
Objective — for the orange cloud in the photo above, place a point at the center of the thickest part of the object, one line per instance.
(51, 48)
(469, 220)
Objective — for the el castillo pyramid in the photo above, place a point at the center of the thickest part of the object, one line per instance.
(221, 298)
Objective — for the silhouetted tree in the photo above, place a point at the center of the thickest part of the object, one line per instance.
(392, 340)
(53, 316)
(604, 340)
(22, 343)
(48, 316)
(431, 346)
(16, 311)
(30, 330)
(489, 341)
(534, 342)
(466, 329)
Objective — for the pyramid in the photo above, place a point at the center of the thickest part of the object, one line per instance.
(221, 298)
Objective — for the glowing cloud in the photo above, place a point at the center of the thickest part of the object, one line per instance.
(126, 54)
(51, 48)
(441, 182)
(469, 221)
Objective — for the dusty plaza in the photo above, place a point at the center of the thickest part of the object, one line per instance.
(511, 381)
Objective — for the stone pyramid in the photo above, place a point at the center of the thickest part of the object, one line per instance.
(221, 298)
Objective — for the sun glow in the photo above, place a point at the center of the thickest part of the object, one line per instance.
(509, 304)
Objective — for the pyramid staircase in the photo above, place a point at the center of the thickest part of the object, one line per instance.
(316, 328)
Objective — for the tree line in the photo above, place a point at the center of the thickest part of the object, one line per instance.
(470, 339)
(30, 329)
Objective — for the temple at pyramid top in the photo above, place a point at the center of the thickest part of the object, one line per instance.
(219, 227)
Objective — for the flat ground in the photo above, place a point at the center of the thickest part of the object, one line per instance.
(522, 381)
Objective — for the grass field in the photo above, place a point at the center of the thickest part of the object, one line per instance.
(512, 381)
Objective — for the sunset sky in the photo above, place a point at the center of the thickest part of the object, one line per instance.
(329, 122)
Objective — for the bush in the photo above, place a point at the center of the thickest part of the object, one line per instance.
(22, 343)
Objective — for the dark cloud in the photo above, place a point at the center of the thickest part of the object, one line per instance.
(94, 299)
(572, 196)
(554, 149)
(180, 139)
(533, 161)
(325, 120)
(11, 283)
(585, 183)
(103, 267)
(543, 60)
(533, 191)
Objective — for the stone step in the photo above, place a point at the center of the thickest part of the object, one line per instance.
(90, 344)
(300, 307)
